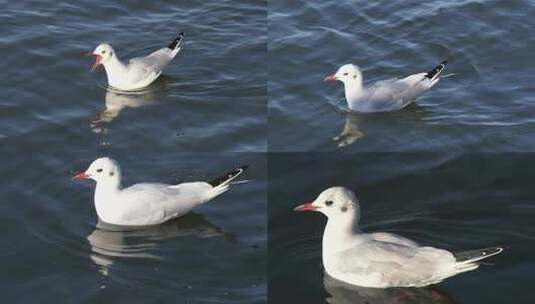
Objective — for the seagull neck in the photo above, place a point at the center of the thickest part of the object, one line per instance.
(114, 68)
(339, 233)
(112, 185)
(353, 89)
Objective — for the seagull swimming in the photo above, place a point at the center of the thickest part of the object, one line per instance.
(147, 203)
(381, 260)
(386, 95)
(139, 72)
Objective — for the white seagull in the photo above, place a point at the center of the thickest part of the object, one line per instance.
(381, 260)
(139, 72)
(147, 203)
(387, 95)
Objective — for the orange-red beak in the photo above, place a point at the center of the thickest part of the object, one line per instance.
(330, 78)
(306, 207)
(80, 176)
(98, 61)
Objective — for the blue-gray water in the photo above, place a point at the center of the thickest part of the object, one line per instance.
(457, 203)
(487, 105)
(210, 103)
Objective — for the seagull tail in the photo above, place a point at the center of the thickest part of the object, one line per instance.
(469, 260)
(436, 71)
(472, 256)
(177, 42)
(222, 183)
(465, 261)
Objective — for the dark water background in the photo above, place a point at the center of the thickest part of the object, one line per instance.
(486, 106)
(212, 98)
(451, 202)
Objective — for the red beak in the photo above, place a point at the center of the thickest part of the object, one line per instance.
(80, 176)
(330, 78)
(306, 207)
(98, 60)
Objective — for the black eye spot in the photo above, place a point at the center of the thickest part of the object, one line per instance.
(345, 74)
(99, 170)
(103, 52)
(355, 76)
(344, 209)
(328, 203)
(112, 173)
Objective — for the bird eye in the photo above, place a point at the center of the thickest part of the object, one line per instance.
(328, 203)
(112, 173)
(344, 209)
(345, 74)
(99, 170)
(104, 52)
(355, 76)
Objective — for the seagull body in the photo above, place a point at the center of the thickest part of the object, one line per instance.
(383, 96)
(139, 72)
(381, 260)
(147, 203)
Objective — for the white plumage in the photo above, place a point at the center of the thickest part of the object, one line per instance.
(147, 203)
(386, 95)
(139, 72)
(381, 259)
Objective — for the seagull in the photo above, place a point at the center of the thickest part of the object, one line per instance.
(381, 260)
(386, 95)
(147, 204)
(139, 72)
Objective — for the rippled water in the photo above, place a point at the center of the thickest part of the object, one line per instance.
(57, 116)
(456, 203)
(486, 105)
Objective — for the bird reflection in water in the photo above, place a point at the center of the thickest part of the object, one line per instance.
(350, 133)
(379, 124)
(110, 242)
(343, 293)
(116, 101)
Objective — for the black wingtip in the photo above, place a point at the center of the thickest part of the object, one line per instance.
(177, 41)
(437, 70)
(228, 176)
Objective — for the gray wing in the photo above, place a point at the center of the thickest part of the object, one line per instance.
(153, 63)
(162, 201)
(397, 93)
(394, 263)
(392, 238)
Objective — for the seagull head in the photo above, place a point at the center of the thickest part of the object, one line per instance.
(346, 74)
(104, 170)
(334, 202)
(103, 52)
